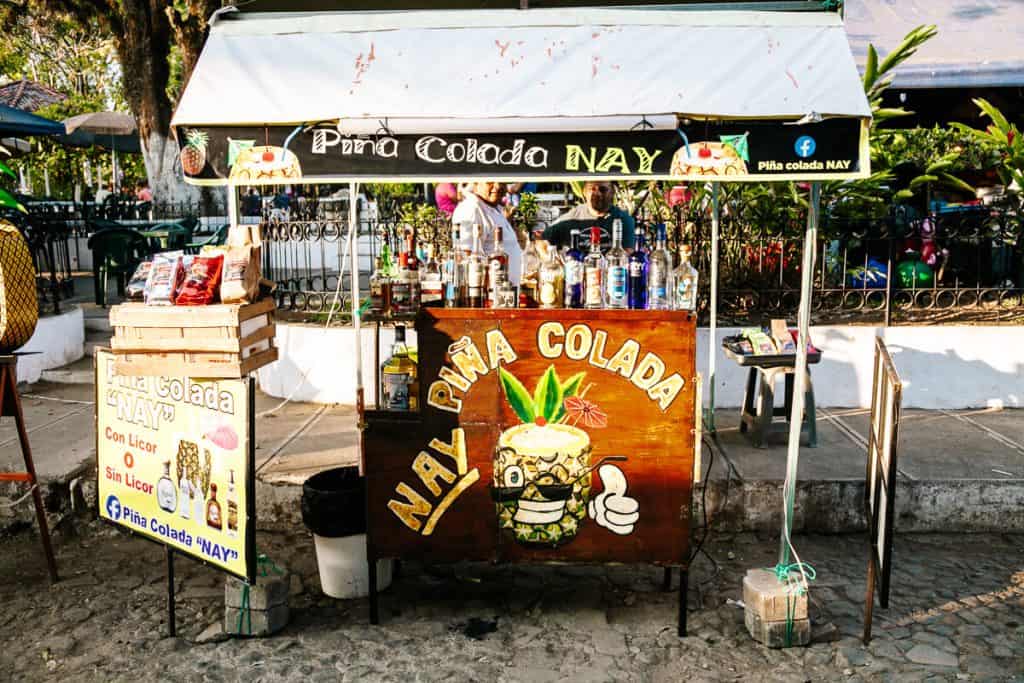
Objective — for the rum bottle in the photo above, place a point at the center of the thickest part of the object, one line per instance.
(618, 270)
(412, 274)
(685, 280)
(594, 267)
(659, 270)
(213, 518)
(476, 273)
(529, 278)
(452, 271)
(497, 270)
(431, 282)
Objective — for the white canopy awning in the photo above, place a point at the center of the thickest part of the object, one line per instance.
(519, 70)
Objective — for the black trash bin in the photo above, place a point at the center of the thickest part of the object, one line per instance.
(334, 503)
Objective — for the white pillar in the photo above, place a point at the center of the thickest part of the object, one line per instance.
(353, 251)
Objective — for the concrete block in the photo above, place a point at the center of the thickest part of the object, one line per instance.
(267, 592)
(263, 622)
(773, 633)
(771, 600)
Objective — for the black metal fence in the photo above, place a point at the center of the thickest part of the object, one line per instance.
(958, 267)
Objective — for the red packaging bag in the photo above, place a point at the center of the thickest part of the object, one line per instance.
(202, 281)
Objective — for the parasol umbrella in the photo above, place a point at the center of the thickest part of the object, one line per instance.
(102, 125)
(17, 122)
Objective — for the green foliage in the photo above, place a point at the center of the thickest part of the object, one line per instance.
(1004, 139)
(518, 398)
(548, 396)
(878, 76)
(524, 216)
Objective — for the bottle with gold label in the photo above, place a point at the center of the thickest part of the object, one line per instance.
(213, 518)
(552, 281)
(232, 501)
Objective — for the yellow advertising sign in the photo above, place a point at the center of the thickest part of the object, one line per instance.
(175, 463)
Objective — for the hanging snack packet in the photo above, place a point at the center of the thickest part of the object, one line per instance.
(163, 278)
(136, 289)
(201, 282)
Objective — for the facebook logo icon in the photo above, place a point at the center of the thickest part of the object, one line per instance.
(804, 146)
(113, 508)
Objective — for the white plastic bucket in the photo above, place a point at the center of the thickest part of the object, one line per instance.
(344, 572)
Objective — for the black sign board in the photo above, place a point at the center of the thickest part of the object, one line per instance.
(720, 150)
(880, 485)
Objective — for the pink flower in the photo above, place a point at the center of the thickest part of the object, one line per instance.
(587, 411)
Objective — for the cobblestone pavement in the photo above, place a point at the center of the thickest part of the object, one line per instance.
(957, 613)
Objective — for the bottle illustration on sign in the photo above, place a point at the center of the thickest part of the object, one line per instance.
(232, 502)
(166, 494)
(543, 468)
(213, 517)
(193, 479)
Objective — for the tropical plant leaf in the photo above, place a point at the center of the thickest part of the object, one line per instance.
(993, 113)
(517, 396)
(940, 165)
(9, 201)
(569, 388)
(904, 194)
(4, 169)
(547, 397)
(952, 181)
(871, 68)
(921, 179)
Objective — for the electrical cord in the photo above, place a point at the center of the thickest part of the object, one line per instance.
(710, 442)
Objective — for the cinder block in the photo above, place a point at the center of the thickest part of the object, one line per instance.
(771, 600)
(267, 592)
(773, 633)
(263, 622)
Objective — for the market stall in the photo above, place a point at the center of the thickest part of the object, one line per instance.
(539, 434)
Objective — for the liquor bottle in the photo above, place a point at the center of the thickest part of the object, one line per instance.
(574, 272)
(166, 494)
(638, 275)
(552, 281)
(380, 290)
(451, 271)
(213, 518)
(529, 278)
(594, 267)
(618, 270)
(185, 492)
(659, 271)
(685, 279)
(232, 502)
(431, 282)
(497, 269)
(398, 374)
(476, 273)
(412, 274)
(401, 293)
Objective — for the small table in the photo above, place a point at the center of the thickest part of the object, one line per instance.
(759, 421)
(161, 237)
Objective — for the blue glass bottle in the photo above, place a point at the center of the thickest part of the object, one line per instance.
(638, 275)
(574, 272)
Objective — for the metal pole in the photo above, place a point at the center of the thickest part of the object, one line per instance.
(232, 204)
(353, 250)
(171, 626)
(800, 371)
(709, 421)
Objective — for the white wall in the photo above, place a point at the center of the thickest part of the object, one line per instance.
(941, 367)
(59, 338)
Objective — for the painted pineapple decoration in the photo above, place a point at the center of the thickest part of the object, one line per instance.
(193, 154)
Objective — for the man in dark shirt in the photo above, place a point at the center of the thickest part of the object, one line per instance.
(597, 209)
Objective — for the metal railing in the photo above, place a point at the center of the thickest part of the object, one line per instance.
(969, 266)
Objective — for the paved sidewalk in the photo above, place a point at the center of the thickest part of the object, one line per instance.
(956, 613)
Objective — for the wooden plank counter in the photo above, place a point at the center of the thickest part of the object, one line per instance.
(543, 435)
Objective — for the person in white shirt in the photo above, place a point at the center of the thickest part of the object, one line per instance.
(483, 206)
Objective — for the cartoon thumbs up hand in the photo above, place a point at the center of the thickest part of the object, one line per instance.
(613, 509)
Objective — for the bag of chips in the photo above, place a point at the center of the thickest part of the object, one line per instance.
(241, 280)
(202, 281)
(164, 276)
(136, 289)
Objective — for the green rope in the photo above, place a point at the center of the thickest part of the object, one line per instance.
(265, 566)
(263, 563)
(790, 574)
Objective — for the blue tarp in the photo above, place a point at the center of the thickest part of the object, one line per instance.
(980, 42)
(17, 122)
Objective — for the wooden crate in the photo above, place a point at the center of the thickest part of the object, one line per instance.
(222, 340)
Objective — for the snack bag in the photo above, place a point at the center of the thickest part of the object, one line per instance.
(164, 276)
(242, 265)
(202, 281)
(136, 289)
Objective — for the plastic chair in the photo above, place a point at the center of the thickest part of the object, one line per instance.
(219, 237)
(115, 251)
(178, 237)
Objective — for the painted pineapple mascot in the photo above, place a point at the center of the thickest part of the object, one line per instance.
(543, 476)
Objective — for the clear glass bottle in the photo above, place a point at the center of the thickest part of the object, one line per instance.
(397, 375)
(529, 279)
(185, 492)
(594, 268)
(617, 277)
(552, 281)
(497, 269)
(232, 503)
(401, 292)
(380, 290)
(476, 273)
(431, 285)
(213, 518)
(574, 272)
(685, 280)
(166, 494)
(452, 262)
(638, 274)
(659, 272)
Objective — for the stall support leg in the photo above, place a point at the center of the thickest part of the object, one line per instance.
(171, 630)
(374, 606)
(869, 601)
(666, 583)
(684, 591)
